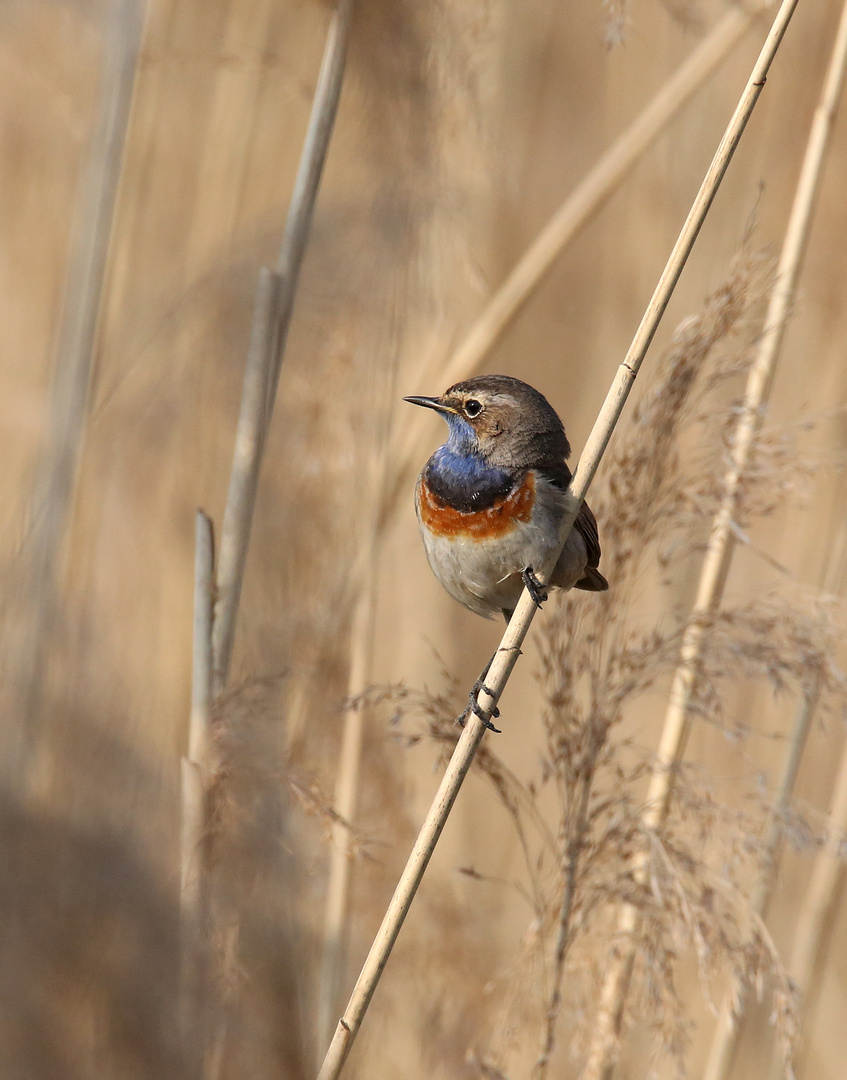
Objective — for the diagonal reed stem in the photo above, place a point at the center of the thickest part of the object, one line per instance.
(718, 560)
(509, 649)
(321, 122)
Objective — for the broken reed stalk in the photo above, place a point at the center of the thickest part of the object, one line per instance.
(575, 212)
(718, 557)
(195, 770)
(509, 649)
(272, 317)
(81, 306)
(726, 1033)
(244, 477)
(504, 306)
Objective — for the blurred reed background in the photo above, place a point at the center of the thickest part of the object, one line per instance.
(461, 129)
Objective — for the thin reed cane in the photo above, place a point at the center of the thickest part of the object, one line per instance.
(199, 755)
(718, 557)
(509, 649)
(244, 477)
(575, 212)
(195, 769)
(298, 224)
(272, 317)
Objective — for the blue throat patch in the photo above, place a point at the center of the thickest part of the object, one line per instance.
(459, 475)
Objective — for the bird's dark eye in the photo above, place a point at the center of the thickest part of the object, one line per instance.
(473, 407)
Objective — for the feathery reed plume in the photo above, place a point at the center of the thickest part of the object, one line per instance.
(720, 549)
(509, 649)
(642, 495)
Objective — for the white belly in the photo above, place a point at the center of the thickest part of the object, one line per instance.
(485, 575)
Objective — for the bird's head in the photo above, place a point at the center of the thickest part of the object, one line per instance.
(501, 419)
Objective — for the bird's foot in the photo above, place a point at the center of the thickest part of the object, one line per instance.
(475, 707)
(533, 586)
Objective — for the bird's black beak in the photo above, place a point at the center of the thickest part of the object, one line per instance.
(430, 403)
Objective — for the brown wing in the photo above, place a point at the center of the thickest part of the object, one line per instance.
(586, 526)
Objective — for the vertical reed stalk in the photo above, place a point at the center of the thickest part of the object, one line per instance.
(244, 477)
(195, 771)
(509, 649)
(719, 553)
(86, 271)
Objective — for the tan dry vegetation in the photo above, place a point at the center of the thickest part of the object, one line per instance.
(461, 128)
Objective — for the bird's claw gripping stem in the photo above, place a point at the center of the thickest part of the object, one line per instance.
(533, 586)
(475, 707)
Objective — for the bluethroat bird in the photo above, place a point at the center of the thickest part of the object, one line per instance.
(491, 499)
